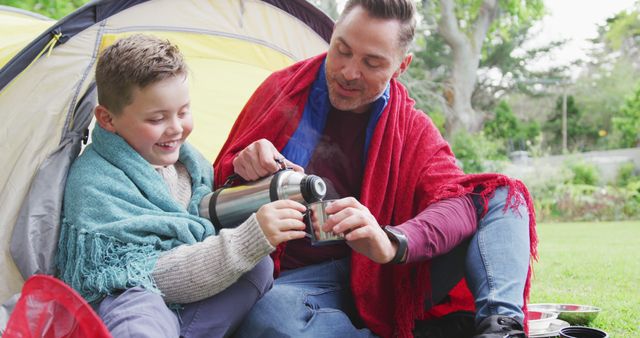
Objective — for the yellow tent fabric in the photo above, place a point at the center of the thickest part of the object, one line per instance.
(17, 29)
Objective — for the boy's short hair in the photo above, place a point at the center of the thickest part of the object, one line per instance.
(401, 10)
(137, 60)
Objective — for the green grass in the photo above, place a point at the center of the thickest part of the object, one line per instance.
(593, 264)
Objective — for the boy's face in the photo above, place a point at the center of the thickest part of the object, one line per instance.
(157, 121)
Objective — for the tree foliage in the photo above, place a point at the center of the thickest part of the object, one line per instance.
(505, 69)
(608, 78)
(329, 7)
(622, 33)
(476, 152)
(468, 65)
(54, 9)
(626, 124)
(506, 127)
(510, 14)
(600, 92)
(580, 137)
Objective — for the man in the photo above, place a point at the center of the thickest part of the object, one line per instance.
(414, 224)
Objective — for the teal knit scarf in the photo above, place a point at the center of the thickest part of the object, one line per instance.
(118, 216)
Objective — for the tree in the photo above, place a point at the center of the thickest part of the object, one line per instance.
(622, 33)
(464, 25)
(599, 94)
(329, 7)
(610, 76)
(580, 137)
(626, 125)
(506, 127)
(505, 69)
(54, 9)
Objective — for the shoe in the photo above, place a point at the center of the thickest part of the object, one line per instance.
(453, 325)
(500, 327)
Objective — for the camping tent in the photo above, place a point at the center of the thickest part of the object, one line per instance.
(46, 105)
(17, 28)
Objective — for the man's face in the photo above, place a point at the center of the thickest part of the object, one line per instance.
(157, 121)
(363, 56)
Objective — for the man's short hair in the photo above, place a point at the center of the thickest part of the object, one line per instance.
(401, 10)
(137, 60)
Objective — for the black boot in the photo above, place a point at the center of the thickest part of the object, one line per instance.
(500, 327)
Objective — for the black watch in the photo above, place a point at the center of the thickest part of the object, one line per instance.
(399, 238)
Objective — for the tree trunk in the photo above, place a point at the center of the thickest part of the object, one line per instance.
(466, 51)
(460, 84)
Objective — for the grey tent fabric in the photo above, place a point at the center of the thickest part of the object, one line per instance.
(35, 235)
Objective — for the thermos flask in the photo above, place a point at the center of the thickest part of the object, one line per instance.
(228, 206)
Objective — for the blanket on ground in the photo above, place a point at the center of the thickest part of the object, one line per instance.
(408, 166)
(118, 216)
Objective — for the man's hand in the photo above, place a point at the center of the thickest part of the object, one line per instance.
(281, 221)
(361, 230)
(261, 159)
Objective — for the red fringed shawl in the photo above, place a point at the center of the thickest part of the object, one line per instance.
(409, 166)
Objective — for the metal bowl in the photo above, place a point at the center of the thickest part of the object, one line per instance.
(572, 313)
(539, 321)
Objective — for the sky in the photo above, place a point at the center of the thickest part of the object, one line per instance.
(577, 21)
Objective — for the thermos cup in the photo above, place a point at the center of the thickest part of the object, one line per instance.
(228, 207)
(314, 219)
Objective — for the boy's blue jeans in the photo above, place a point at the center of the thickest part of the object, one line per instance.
(315, 301)
(140, 313)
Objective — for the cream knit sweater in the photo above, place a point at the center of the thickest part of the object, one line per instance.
(191, 273)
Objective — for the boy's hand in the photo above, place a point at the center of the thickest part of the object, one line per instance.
(281, 221)
(260, 159)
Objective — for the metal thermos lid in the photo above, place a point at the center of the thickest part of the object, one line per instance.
(313, 188)
(289, 184)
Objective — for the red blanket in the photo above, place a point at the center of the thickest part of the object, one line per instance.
(409, 166)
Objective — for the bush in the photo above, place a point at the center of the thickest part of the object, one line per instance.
(578, 202)
(626, 124)
(584, 173)
(571, 193)
(542, 183)
(633, 189)
(508, 131)
(476, 152)
(627, 173)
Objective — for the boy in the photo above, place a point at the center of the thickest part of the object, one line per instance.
(131, 240)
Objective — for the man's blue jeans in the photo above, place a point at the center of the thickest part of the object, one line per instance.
(315, 301)
(498, 260)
